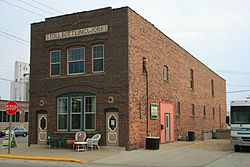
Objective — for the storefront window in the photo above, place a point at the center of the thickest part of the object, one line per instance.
(90, 113)
(74, 113)
(62, 113)
(76, 109)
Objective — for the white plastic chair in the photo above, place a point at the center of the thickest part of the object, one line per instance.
(93, 142)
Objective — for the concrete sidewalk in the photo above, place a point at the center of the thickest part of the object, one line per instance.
(39, 152)
(118, 155)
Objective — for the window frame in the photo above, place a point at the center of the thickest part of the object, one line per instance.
(84, 60)
(178, 108)
(165, 73)
(192, 110)
(98, 58)
(212, 87)
(55, 63)
(67, 113)
(85, 113)
(71, 113)
(204, 112)
(192, 79)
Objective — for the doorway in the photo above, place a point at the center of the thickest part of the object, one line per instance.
(42, 128)
(167, 127)
(112, 128)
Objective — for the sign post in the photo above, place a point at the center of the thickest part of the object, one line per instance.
(11, 108)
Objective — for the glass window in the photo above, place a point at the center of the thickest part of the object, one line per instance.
(212, 87)
(193, 110)
(76, 60)
(55, 58)
(1, 116)
(62, 113)
(26, 119)
(165, 72)
(76, 110)
(178, 108)
(191, 79)
(204, 111)
(213, 112)
(90, 113)
(17, 116)
(98, 58)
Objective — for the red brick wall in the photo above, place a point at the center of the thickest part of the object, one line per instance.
(147, 41)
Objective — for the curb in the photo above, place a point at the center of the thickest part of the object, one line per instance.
(40, 158)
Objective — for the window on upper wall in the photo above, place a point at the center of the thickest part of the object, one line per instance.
(178, 108)
(191, 79)
(76, 60)
(55, 62)
(213, 112)
(98, 58)
(193, 110)
(204, 111)
(212, 87)
(165, 73)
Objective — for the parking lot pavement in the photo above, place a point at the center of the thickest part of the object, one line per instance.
(211, 153)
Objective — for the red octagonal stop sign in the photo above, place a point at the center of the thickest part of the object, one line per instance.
(11, 107)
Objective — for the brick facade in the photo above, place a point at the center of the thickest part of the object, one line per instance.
(128, 40)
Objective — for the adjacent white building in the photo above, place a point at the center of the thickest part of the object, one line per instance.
(20, 85)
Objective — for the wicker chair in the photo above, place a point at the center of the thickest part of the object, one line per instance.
(93, 142)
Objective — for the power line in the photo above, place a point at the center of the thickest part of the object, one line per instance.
(13, 39)
(36, 7)
(8, 80)
(47, 6)
(13, 36)
(238, 91)
(22, 8)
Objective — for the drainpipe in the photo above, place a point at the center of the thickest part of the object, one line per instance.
(146, 74)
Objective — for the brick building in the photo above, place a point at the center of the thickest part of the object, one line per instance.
(21, 118)
(110, 71)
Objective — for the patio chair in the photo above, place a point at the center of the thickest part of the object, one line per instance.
(93, 142)
(79, 143)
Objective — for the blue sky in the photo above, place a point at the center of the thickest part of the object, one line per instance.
(217, 32)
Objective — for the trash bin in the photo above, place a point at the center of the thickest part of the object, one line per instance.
(191, 135)
(152, 143)
(214, 136)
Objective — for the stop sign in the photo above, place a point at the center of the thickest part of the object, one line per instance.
(11, 107)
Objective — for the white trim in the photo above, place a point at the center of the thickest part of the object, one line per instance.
(55, 63)
(62, 114)
(85, 113)
(84, 62)
(98, 58)
(116, 122)
(78, 113)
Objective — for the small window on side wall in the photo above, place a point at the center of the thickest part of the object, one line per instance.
(212, 87)
(192, 79)
(178, 108)
(165, 73)
(193, 110)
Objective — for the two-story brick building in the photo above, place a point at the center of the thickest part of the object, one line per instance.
(110, 71)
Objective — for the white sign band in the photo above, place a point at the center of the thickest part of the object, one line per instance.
(76, 33)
